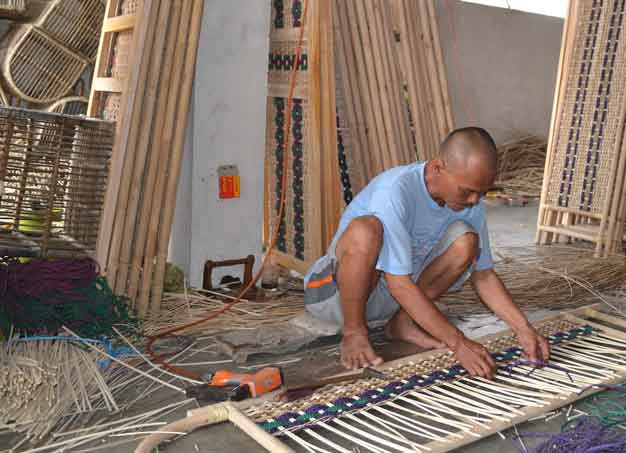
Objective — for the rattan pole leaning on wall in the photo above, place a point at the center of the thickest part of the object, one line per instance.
(583, 186)
(55, 174)
(43, 60)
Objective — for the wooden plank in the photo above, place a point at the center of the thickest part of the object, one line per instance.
(118, 23)
(108, 84)
(131, 101)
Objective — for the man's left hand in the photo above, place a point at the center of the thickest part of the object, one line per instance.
(536, 347)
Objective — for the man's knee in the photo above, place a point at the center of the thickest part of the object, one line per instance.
(363, 236)
(463, 250)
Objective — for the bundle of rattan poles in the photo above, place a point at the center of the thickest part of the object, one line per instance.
(392, 83)
(141, 197)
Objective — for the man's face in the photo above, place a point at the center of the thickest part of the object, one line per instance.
(464, 188)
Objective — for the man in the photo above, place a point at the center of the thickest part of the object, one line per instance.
(412, 234)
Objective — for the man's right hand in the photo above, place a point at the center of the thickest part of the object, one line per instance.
(357, 352)
(474, 357)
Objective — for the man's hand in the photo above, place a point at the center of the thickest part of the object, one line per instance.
(474, 357)
(536, 347)
(356, 350)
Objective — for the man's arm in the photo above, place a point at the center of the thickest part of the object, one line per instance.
(473, 356)
(494, 294)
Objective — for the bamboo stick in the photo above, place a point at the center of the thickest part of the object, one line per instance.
(441, 69)
(131, 101)
(157, 151)
(380, 88)
(354, 107)
(163, 146)
(123, 233)
(177, 151)
(364, 75)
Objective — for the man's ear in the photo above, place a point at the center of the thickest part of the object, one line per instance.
(438, 165)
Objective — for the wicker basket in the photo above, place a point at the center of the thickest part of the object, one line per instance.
(55, 179)
(38, 69)
(71, 105)
(76, 24)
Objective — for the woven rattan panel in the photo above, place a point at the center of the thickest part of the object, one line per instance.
(434, 362)
(296, 237)
(585, 150)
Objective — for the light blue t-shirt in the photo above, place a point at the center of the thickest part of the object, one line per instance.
(413, 222)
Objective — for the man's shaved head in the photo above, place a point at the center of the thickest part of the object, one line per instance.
(463, 148)
(465, 169)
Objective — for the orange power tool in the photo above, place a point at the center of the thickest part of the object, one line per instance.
(228, 385)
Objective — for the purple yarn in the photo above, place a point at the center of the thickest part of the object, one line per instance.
(586, 435)
(39, 277)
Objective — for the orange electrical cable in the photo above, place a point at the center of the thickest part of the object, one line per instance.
(292, 82)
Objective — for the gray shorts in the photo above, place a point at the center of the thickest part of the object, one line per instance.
(321, 296)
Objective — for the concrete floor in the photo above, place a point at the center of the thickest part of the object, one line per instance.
(509, 226)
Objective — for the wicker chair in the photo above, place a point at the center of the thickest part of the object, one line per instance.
(42, 60)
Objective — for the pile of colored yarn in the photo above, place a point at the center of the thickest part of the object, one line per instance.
(41, 296)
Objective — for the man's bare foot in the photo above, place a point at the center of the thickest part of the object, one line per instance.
(357, 352)
(403, 329)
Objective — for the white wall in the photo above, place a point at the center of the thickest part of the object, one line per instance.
(508, 61)
(228, 121)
